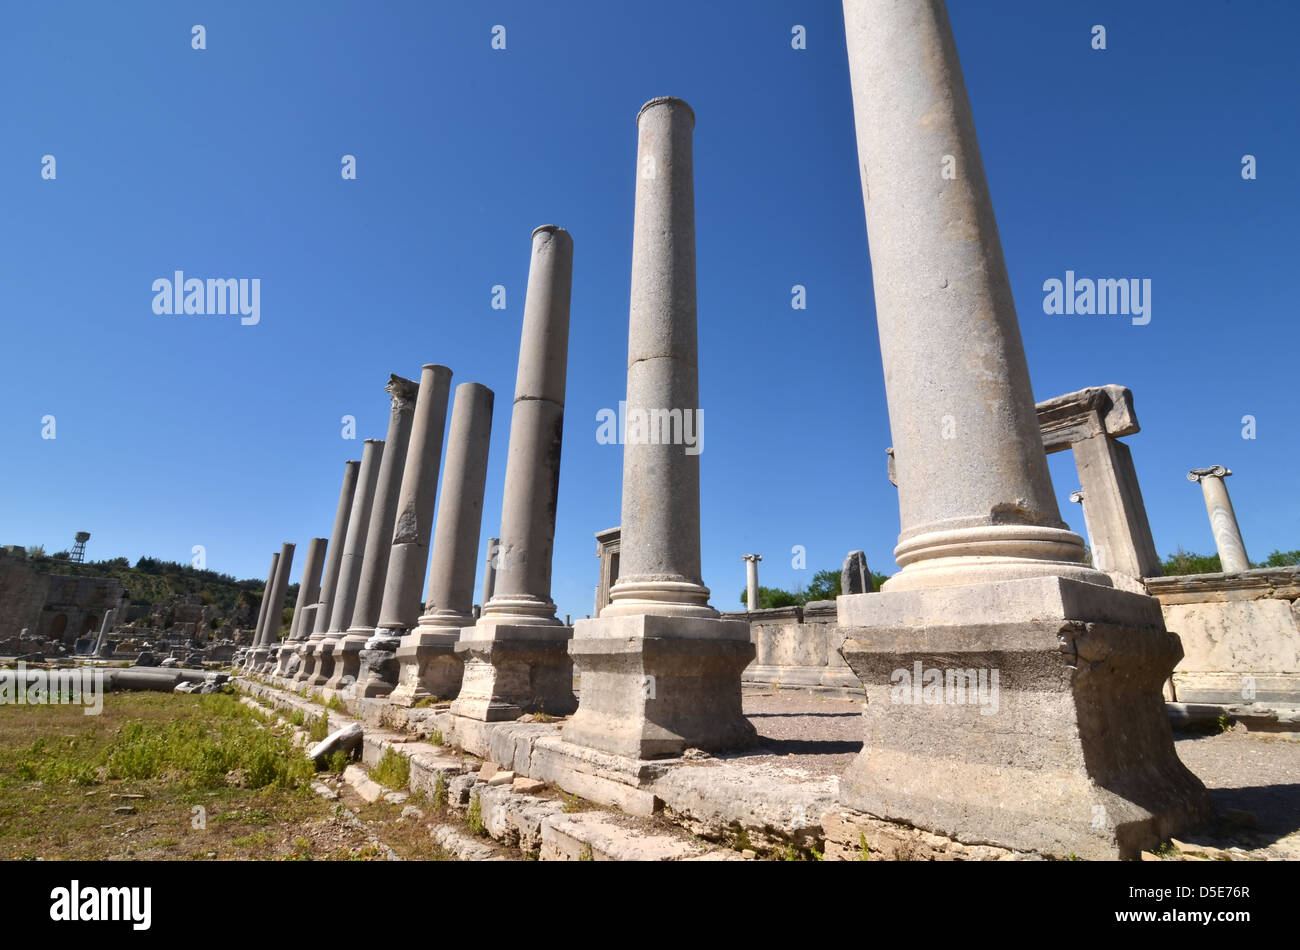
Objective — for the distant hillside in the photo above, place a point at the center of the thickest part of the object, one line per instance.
(154, 582)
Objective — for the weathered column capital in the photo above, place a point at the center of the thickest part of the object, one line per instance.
(751, 557)
(403, 392)
(1214, 471)
(1077, 496)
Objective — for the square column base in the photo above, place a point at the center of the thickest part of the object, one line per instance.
(1026, 714)
(513, 669)
(428, 667)
(323, 668)
(347, 661)
(307, 661)
(655, 686)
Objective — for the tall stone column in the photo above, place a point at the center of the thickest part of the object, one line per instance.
(308, 593)
(261, 612)
(400, 610)
(1223, 520)
(660, 669)
(333, 557)
(428, 664)
(264, 655)
(751, 580)
(349, 577)
(103, 631)
(379, 536)
(1013, 695)
(515, 659)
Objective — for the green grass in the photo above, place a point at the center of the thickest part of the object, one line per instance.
(435, 737)
(318, 727)
(439, 799)
(474, 816)
(393, 770)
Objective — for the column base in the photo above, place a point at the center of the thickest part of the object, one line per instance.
(654, 685)
(306, 661)
(285, 656)
(1037, 724)
(428, 667)
(377, 676)
(347, 661)
(513, 669)
(324, 667)
(255, 660)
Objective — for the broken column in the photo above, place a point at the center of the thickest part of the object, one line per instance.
(264, 655)
(855, 576)
(333, 557)
(261, 612)
(1223, 520)
(751, 580)
(349, 578)
(429, 665)
(308, 593)
(1013, 695)
(400, 610)
(379, 536)
(660, 669)
(515, 657)
(1090, 422)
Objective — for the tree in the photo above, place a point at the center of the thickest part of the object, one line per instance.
(1281, 559)
(1184, 562)
(825, 585)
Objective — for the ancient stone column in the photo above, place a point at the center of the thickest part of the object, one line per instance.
(333, 557)
(660, 669)
(428, 664)
(379, 536)
(515, 658)
(264, 655)
(308, 593)
(103, 630)
(349, 577)
(1223, 520)
(751, 580)
(400, 610)
(490, 569)
(855, 576)
(992, 582)
(261, 612)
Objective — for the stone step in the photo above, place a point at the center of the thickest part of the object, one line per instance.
(603, 836)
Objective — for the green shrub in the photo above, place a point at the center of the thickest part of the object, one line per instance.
(474, 816)
(393, 770)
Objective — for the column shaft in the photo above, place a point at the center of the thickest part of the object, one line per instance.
(975, 497)
(413, 526)
(334, 552)
(354, 543)
(383, 513)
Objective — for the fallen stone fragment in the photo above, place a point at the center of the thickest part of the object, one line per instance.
(397, 798)
(501, 778)
(345, 739)
(369, 790)
(527, 786)
(410, 811)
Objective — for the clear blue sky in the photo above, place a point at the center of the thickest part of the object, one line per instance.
(176, 431)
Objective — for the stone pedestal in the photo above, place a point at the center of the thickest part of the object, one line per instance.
(513, 669)
(1027, 713)
(513, 655)
(1223, 520)
(654, 686)
(308, 593)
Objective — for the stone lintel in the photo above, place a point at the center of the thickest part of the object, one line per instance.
(1097, 410)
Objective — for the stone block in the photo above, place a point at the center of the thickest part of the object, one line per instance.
(1025, 714)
